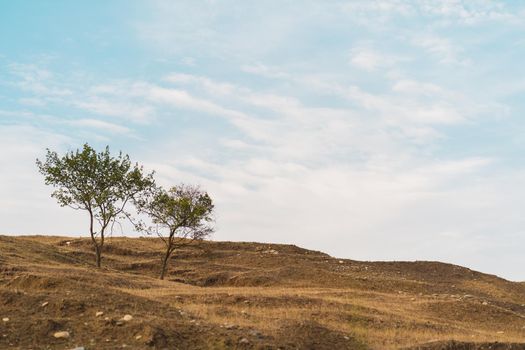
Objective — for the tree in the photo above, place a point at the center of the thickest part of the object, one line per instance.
(181, 215)
(98, 183)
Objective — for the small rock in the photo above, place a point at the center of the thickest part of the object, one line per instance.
(346, 337)
(5, 319)
(127, 318)
(61, 335)
(341, 262)
(45, 303)
(106, 318)
(119, 323)
(138, 337)
(99, 313)
(500, 332)
(484, 303)
(255, 333)
(79, 348)
(244, 341)
(230, 326)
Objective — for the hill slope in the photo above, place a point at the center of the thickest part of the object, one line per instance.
(223, 295)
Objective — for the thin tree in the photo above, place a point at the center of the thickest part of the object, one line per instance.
(181, 215)
(98, 183)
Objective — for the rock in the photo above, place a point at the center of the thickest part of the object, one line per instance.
(45, 303)
(61, 335)
(127, 318)
(244, 341)
(119, 323)
(5, 319)
(500, 332)
(341, 262)
(255, 333)
(484, 303)
(230, 326)
(79, 348)
(138, 337)
(99, 313)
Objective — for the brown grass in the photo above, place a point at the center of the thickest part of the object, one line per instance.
(218, 293)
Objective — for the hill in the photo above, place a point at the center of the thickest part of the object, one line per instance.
(225, 295)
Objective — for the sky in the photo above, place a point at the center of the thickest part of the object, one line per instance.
(370, 130)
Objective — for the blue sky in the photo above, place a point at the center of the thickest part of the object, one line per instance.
(375, 130)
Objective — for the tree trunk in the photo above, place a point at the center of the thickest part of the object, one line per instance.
(165, 263)
(98, 255)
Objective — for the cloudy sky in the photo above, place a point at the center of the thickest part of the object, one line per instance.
(372, 130)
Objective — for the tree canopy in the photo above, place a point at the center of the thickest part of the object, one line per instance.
(98, 183)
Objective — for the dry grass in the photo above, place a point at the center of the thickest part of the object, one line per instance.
(295, 298)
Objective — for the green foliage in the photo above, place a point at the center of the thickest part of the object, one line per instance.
(99, 183)
(183, 211)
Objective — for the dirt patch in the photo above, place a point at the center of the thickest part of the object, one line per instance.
(454, 345)
(310, 335)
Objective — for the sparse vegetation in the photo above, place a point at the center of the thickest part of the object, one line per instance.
(295, 299)
(98, 183)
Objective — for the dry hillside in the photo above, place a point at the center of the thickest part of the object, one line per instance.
(224, 295)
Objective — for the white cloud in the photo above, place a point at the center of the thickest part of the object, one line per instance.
(123, 109)
(414, 88)
(210, 85)
(183, 99)
(366, 59)
(265, 71)
(102, 125)
(25, 204)
(370, 12)
(441, 48)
